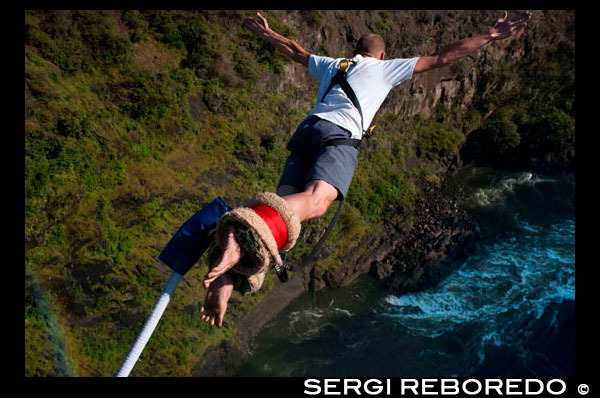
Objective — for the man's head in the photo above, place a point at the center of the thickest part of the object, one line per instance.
(371, 45)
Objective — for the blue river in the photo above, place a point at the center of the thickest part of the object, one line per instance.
(507, 311)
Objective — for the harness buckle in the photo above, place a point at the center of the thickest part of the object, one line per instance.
(281, 270)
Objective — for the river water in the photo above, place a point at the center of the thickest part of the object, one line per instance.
(507, 311)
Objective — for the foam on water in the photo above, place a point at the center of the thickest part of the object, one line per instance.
(489, 195)
(514, 280)
(499, 312)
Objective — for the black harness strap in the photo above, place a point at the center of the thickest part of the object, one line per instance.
(342, 141)
(282, 270)
(298, 151)
(315, 250)
(339, 78)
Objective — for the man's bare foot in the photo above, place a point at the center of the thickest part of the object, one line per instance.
(215, 303)
(230, 257)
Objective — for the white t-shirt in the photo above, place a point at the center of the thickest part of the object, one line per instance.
(371, 79)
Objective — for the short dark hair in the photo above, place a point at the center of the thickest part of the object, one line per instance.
(371, 44)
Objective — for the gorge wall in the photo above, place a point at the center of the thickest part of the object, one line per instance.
(135, 119)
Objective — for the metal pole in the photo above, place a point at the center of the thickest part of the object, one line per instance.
(149, 326)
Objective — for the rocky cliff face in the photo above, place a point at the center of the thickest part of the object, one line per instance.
(337, 32)
(134, 119)
(439, 234)
(496, 76)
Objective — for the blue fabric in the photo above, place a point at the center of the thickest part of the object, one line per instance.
(191, 240)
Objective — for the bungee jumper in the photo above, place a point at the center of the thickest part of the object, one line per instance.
(243, 243)
(324, 149)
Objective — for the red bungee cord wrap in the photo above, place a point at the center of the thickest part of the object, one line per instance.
(275, 223)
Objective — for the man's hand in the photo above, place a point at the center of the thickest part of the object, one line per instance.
(504, 29)
(257, 25)
(463, 48)
(290, 48)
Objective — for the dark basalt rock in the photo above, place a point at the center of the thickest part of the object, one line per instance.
(442, 236)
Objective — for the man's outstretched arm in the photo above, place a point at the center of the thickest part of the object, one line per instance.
(463, 48)
(289, 47)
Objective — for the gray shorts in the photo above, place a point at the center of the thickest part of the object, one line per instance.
(333, 164)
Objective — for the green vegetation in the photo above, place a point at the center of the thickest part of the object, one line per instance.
(533, 114)
(502, 131)
(441, 135)
(136, 119)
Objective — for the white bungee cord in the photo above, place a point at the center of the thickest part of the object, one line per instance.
(149, 325)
